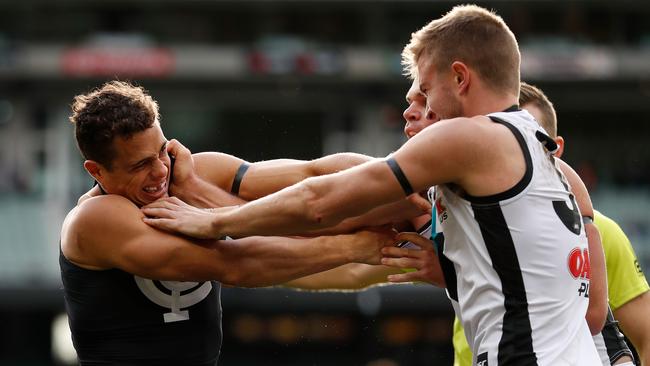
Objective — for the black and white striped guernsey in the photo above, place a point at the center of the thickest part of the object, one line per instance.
(517, 263)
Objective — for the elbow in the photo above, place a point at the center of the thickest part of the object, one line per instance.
(314, 208)
(596, 319)
(236, 278)
(245, 279)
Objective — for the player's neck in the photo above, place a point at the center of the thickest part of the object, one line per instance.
(486, 103)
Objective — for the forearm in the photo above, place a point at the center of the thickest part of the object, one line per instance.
(266, 261)
(314, 204)
(597, 309)
(352, 276)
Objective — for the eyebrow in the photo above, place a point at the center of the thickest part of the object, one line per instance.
(141, 161)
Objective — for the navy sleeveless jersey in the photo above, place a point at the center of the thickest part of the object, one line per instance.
(117, 318)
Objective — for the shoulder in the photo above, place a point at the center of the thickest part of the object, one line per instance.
(451, 132)
(93, 222)
(99, 212)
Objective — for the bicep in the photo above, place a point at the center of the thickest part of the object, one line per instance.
(354, 191)
(266, 177)
(216, 168)
(120, 239)
(446, 152)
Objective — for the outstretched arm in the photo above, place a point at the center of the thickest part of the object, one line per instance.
(202, 179)
(127, 243)
(320, 202)
(353, 276)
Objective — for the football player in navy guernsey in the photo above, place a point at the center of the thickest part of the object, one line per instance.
(509, 221)
(136, 295)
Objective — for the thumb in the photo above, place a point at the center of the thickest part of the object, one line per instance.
(420, 202)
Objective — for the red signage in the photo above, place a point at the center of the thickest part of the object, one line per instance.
(141, 62)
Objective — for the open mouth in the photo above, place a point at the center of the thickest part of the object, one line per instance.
(157, 190)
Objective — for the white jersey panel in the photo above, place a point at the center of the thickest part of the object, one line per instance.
(521, 263)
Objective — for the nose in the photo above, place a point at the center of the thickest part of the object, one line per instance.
(411, 115)
(160, 169)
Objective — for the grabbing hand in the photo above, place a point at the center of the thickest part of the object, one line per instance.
(421, 201)
(422, 264)
(172, 214)
(366, 245)
(183, 175)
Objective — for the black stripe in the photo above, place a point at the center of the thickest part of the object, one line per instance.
(399, 174)
(516, 344)
(525, 180)
(447, 267)
(238, 178)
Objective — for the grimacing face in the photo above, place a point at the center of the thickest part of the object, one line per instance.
(141, 167)
(416, 115)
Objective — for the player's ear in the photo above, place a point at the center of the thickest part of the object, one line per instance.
(559, 140)
(95, 169)
(461, 76)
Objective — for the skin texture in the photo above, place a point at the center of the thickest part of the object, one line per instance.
(141, 174)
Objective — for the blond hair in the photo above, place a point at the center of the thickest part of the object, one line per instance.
(472, 35)
(530, 94)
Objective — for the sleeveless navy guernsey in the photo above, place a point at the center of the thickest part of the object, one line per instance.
(117, 318)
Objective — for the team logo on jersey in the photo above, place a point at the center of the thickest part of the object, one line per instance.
(579, 265)
(580, 269)
(174, 295)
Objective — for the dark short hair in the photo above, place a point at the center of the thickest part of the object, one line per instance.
(116, 109)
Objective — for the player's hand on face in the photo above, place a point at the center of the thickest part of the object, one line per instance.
(183, 175)
(421, 262)
(172, 214)
(367, 244)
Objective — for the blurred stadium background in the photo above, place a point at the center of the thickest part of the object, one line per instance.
(268, 79)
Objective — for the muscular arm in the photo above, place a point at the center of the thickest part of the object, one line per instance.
(353, 276)
(633, 320)
(215, 172)
(266, 177)
(322, 202)
(141, 250)
(597, 310)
